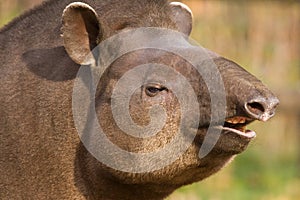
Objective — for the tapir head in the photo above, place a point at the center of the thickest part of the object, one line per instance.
(152, 106)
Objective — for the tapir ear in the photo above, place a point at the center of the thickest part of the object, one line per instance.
(183, 17)
(81, 30)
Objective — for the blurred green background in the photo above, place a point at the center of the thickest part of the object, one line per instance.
(264, 37)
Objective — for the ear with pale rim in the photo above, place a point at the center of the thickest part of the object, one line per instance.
(183, 17)
(81, 30)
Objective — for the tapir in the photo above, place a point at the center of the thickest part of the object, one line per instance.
(46, 134)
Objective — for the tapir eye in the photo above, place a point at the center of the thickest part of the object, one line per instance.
(153, 90)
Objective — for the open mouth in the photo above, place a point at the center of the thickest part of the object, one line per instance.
(238, 125)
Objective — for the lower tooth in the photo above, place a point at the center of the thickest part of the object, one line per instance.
(242, 129)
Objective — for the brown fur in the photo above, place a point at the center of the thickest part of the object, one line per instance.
(41, 154)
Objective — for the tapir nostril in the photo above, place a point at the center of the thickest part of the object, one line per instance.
(255, 108)
(262, 109)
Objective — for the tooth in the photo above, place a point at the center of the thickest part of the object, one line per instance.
(242, 120)
(236, 121)
(242, 129)
(229, 121)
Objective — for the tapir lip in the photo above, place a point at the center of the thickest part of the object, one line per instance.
(238, 125)
(235, 124)
(234, 136)
(249, 134)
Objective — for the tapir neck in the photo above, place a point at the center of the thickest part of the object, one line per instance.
(99, 184)
(112, 190)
